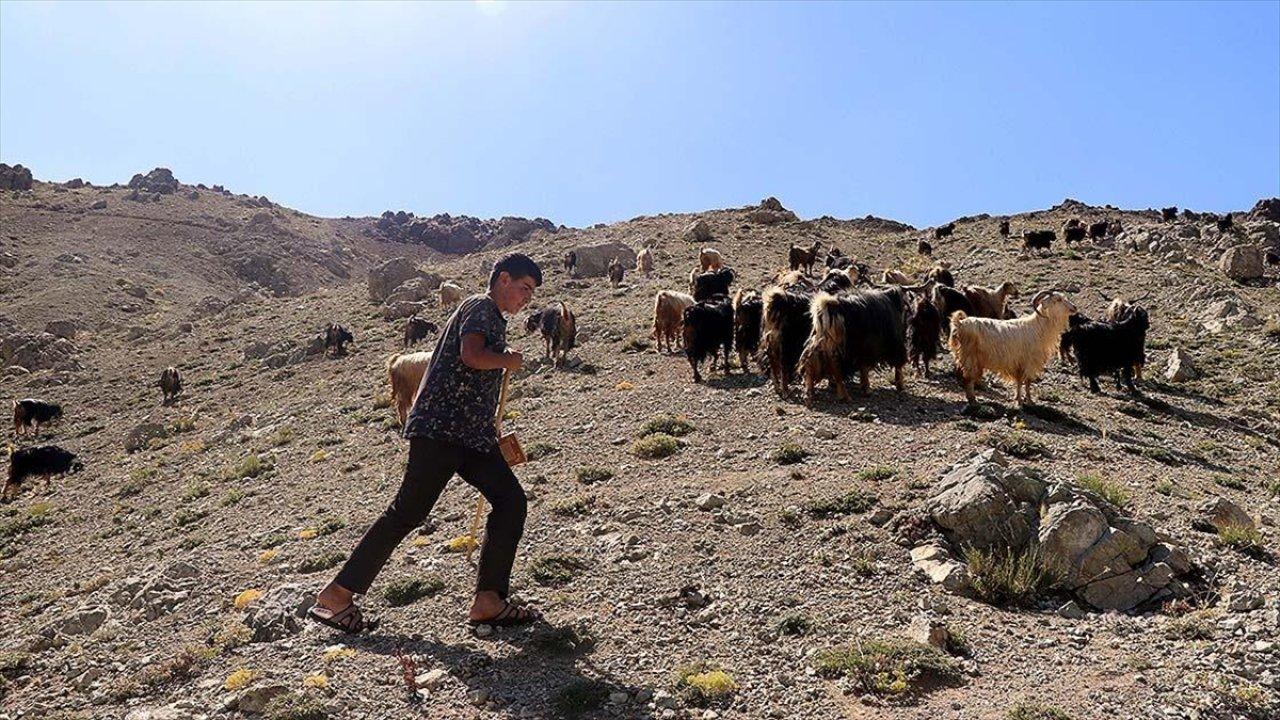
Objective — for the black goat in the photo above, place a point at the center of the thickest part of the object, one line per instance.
(948, 300)
(1004, 228)
(559, 327)
(785, 326)
(1074, 234)
(1038, 239)
(924, 330)
(924, 248)
(835, 282)
(941, 274)
(1169, 214)
(416, 329)
(336, 339)
(44, 461)
(857, 332)
(708, 329)
(29, 414)
(1103, 347)
(711, 283)
(748, 309)
(1098, 230)
(1065, 342)
(1225, 223)
(944, 231)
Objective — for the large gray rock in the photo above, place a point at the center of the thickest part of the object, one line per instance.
(391, 274)
(15, 177)
(415, 289)
(38, 351)
(142, 434)
(698, 232)
(160, 181)
(1107, 560)
(1221, 513)
(279, 613)
(593, 260)
(1180, 367)
(1242, 262)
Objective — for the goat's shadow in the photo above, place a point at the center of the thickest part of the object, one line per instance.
(551, 673)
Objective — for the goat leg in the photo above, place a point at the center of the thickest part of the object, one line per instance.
(897, 378)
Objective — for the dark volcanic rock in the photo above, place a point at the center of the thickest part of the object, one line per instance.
(458, 234)
(15, 177)
(159, 181)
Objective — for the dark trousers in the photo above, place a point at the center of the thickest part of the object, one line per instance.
(431, 464)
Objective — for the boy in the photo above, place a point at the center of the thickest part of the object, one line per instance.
(451, 430)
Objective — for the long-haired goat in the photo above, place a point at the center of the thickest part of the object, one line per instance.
(784, 328)
(924, 331)
(944, 231)
(799, 257)
(748, 308)
(1038, 239)
(708, 329)
(857, 332)
(559, 329)
(987, 302)
(615, 272)
(941, 274)
(404, 375)
(1118, 346)
(644, 262)
(668, 317)
(838, 281)
(1014, 349)
(948, 301)
(711, 283)
(710, 259)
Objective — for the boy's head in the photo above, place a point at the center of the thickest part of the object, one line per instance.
(513, 280)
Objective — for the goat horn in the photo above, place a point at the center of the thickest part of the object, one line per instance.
(1104, 295)
(1141, 298)
(1035, 301)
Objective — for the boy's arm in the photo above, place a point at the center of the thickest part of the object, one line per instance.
(477, 356)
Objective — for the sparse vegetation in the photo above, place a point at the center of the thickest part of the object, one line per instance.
(289, 706)
(1110, 491)
(1244, 538)
(852, 502)
(250, 467)
(1018, 443)
(673, 425)
(572, 506)
(404, 591)
(879, 473)
(1008, 578)
(592, 475)
(702, 684)
(790, 453)
(795, 625)
(539, 450)
(885, 666)
(655, 447)
(1228, 481)
(1036, 711)
(323, 561)
(555, 570)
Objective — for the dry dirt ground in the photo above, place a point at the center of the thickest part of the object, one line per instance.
(267, 476)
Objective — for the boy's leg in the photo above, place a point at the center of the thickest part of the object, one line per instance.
(430, 466)
(490, 474)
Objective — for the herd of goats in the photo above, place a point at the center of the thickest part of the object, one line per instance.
(804, 325)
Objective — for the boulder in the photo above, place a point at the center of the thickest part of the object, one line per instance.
(593, 260)
(1220, 513)
(390, 275)
(771, 212)
(929, 631)
(279, 613)
(1106, 560)
(142, 435)
(1180, 367)
(15, 177)
(1266, 209)
(1242, 262)
(160, 181)
(698, 232)
(38, 351)
(62, 328)
(82, 622)
(404, 309)
(414, 289)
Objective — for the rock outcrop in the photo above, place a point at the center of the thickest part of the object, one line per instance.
(458, 234)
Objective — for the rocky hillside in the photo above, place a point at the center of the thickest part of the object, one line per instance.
(701, 551)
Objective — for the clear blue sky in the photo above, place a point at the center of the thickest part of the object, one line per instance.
(599, 112)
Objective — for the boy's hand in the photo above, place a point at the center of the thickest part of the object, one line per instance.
(514, 360)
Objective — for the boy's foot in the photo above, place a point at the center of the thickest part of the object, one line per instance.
(348, 619)
(509, 616)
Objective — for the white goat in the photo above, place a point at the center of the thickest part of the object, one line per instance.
(1014, 349)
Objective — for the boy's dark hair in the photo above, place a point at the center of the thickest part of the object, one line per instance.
(517, 265)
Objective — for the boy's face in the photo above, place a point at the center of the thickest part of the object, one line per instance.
(513, 295)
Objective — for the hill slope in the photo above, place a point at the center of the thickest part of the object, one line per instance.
(267, 475)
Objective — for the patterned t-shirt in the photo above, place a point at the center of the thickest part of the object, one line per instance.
(456, 403)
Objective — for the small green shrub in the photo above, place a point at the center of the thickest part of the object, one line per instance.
(655, 447)
(139, 479)
(580, 697)
(852, 502)
(790, 453)
(1112, 492)
(408, 590)
(288, 706)
(250, 467)
(702, 684)
(188, 516)
(539, 450)
(555, 570)
(1019, 444)
(323, 561)
(886, 666)
(591, 475)
(673, 425)
(1228, 481)
(195, 491)
(573, 506)
(795, 625)
(1006, 578)
(880, 473)
(1240, 537)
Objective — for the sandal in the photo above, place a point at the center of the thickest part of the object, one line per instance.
(348, 620)
(509, 616)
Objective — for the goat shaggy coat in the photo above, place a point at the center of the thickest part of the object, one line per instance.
(857, 332)
(1015, 349)
(748, 309)
(404, 375)
(1105, 347)
(708, 330)
(783, 331)
(668, 317)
